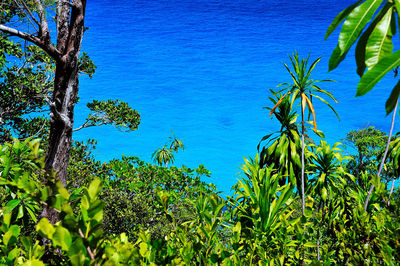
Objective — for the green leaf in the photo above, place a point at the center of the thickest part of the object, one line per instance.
(11, 205)
(45, 228)
(397, 5)
(336, 58)
(20, 212)
(392, 100)
(94, 189)
(352, 28)
(33, 263)
(340, 17)
(62, 238)
(375, 74)
(380, 43)
(7, 219)
(362, 42)
(324, 194)
(10, 237)
(32, 215)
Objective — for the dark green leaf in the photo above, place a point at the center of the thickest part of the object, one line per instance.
(374, 75)
(380, 43)
(392, 100)
(340, 17)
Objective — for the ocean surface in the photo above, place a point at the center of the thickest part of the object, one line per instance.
(203, 69)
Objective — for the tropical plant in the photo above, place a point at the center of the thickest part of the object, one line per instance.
(305, 88)
(164, 155)
(328, 180)
(282, 149)
(262, 212)
(374, 50)
(174, 143)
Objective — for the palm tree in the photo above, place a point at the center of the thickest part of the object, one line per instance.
(304, 87)
(283, 148)
(175, 143)
(163, 156)
(328, 180)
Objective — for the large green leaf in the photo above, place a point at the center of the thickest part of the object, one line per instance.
(340, 17)
(362, 42)
(375, 74)
(62, 238)
(352, 28)
(397, 5)
(336, 58)
(11, 205)
(380, 43)
(392, 100)
(45, 228)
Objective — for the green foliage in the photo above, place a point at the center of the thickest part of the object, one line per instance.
(283, 148)
(369, 144)
(168, 216)
(112, 112)
(304, 87)
(132, 193)
(164, 155)
(25, 84)
(373, 24)
(86, 65)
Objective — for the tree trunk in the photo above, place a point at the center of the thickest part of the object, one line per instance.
(62, 117)
(384, 155)
(391, 191)
(70, 29)
(303, 204)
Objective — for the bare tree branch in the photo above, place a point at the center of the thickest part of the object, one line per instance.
(28, 17)
(47, 47)
(29, 12)
(86, 125)
(44, 28)
(21, 34)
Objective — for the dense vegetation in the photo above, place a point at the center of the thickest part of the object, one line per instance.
(300, 200)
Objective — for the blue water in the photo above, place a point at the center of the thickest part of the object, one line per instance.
(203, 69)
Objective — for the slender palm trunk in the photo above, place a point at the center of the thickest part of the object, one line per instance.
(391, 191)
(303, 204)
(384, 155)
(318, 255)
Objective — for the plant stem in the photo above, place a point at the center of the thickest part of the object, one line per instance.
(384, 155)
(391, 191)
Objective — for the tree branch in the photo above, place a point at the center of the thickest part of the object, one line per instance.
(47, 47)
(21, 34)
(86, 125)
(30, 13)
(28, 17)
(44, 28)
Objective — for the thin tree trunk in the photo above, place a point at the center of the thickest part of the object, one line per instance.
(318, 253)
(391, 191)
(303, 204)
(384, 155)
